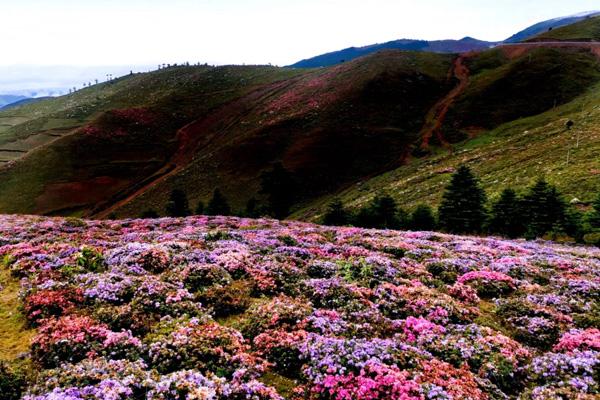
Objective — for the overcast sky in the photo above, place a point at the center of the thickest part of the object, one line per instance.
(148, 32)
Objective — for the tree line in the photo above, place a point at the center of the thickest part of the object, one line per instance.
(278, 190)
(539, 212)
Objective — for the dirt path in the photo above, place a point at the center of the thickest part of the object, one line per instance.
(436, 116)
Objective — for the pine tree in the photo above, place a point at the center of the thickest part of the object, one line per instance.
(280, 188)
(149, 214)
(594, 215)
(544, 210)
(382, 213)
(178, 205)
(200, 208)
(422, 218)
(218, 204)
(336, 214)
(251, 208)
(506, 216)
(463, 204)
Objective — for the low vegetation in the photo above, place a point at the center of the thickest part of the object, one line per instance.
(226, 308)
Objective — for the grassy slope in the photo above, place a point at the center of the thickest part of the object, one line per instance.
(588, 29)
(351, 126)
(332, 127)
(63, 174)
(344, 122)
(14, 335)
(505, 89)
(513, 154)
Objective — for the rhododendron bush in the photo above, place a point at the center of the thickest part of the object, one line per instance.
(228, 308)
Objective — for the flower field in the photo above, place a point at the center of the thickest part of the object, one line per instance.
(231, 309)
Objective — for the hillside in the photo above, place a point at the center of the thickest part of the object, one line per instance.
(202, 128)
(437, 46)
(225, 309)
(507, 143)
(586, 30)
(381, 122)
(6, 99)
(551, 24)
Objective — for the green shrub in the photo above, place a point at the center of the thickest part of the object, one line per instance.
(12, 383)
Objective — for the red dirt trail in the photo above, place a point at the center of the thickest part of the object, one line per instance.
(436, 116)
(192, 137)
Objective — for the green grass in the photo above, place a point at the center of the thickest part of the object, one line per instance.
(586, 30)
(514, 154)
(15, 337)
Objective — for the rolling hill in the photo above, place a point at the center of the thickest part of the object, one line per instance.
(6, 99)
(439, 46)
(586, 30)
(551, 24)
(388, 121)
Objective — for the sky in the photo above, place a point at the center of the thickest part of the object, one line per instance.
(139, 33)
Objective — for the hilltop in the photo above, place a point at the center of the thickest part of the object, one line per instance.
(437, 46)
(550, 24)
(587, 30)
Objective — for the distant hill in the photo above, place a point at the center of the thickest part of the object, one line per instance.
(544, 26)
(438, 46)
(23, 102)
(587, 29)
(6, 99)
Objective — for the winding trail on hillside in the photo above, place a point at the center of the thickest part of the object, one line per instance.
(434, 119)
(194, 136)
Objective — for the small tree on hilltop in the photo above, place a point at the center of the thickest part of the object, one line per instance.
(507, 216)
(279, 186)
(422, 218)
(463, 204)
(336, 214)
(218, 204)
(178, 205)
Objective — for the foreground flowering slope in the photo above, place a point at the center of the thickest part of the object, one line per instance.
(227, 308)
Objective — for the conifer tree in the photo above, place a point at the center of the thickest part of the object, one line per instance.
(178, 205)
(200, 208)
(382, 213)
(279, 186)
(463, 204)
(544, 210)
(422, 218)
(506, 215)
(336, 214)
(218, 204)
(149, 214)
(594, 216)
(251, 208)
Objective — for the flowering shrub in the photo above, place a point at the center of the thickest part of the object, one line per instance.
(206, 346)
(73, 338)
(588, 339)
(281, 348)
(221, 308)
(488, 283)
(51, 303)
